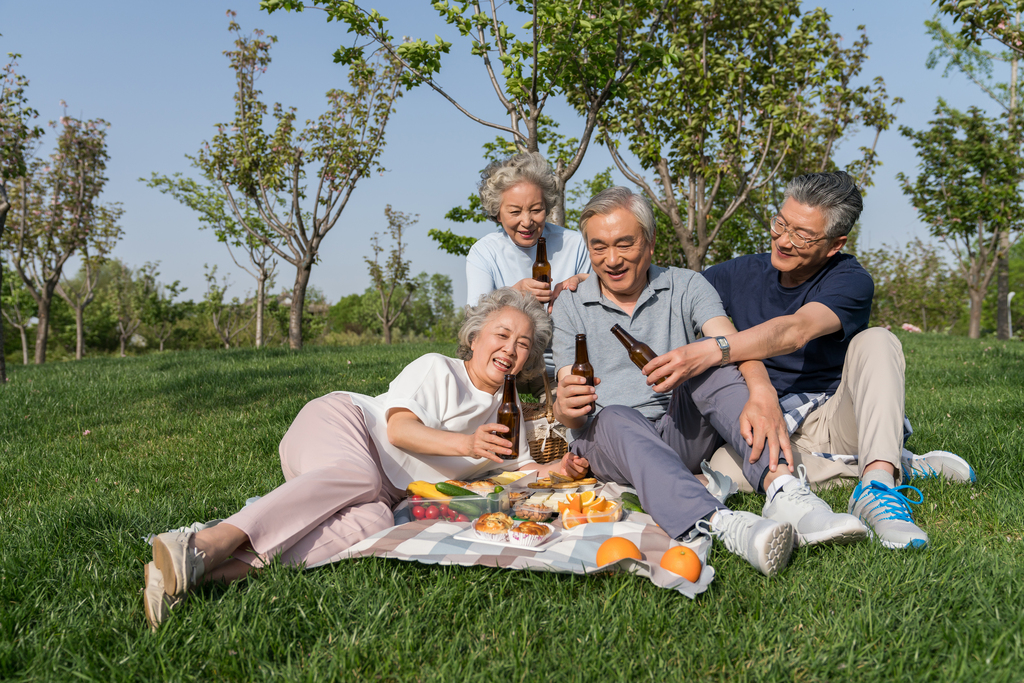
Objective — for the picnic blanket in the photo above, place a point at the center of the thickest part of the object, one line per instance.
(573, 551)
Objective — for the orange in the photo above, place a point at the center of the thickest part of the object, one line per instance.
(683, 561)
(586, 499)
(571, 519)
(615, 549)
(575, 504)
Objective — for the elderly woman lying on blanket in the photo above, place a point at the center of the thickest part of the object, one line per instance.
(347, 457)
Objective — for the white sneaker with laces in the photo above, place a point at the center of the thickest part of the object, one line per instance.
(812, 519)
(949, 466)
(886, 511)
(764, 543)
(182, 566)
(155, 600)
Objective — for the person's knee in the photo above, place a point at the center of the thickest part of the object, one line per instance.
(874, 345)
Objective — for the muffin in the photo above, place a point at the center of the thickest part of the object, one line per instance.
(493, 526)
(530, 533)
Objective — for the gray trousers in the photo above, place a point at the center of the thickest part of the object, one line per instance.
(661, 458)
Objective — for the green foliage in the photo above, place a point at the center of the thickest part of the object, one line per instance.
(914, 285)
(267, 168)
(980, 19)
(967, 191)
(768, 92)
(392, 280)
(188, 436)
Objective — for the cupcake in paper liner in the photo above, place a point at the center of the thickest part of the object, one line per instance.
(493, 526)
(529, 534)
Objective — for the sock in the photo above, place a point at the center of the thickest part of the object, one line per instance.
(718, 516)
(881, 476)
(778, 485)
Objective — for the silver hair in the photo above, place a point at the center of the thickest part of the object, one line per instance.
(500, 176)
(835, 194)
(491, 303)
(614, 198)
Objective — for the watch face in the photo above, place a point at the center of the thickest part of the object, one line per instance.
(722, 343)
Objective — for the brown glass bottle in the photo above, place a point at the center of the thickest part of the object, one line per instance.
(641, 354)
(508, 415)
(582, 366)
(541, 267)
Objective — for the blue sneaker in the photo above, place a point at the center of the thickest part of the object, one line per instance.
(937, 464)
(886, 513)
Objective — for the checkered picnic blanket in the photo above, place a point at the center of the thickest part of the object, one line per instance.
(572, 552)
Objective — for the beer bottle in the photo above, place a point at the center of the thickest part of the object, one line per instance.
(640, 353)
(508, 415)
(541, 267)
(582, 366)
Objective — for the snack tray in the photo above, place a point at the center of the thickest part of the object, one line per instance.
(470, 535)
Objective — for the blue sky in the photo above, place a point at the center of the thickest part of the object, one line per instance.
(156, 72)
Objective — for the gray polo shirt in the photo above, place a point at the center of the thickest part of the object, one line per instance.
(670, 313)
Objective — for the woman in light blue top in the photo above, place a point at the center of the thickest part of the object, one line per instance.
(516, 194)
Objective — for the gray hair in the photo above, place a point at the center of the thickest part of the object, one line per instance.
(835, 194)
(528, 167)
(614, 198)
(506, 297)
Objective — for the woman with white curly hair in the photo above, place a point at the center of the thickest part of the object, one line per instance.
(517, 194)
(347, 458)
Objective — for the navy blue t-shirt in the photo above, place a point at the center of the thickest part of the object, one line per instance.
(751, 293)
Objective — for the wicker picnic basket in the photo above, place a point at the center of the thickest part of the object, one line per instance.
(545, 434)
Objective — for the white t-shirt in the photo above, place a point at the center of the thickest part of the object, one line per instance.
(438, 391)
(496, 261)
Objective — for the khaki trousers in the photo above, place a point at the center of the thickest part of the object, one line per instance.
(863, 418)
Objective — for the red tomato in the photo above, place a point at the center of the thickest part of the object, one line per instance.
(445, 510)
(433, 512)
(419, 512)
(415, 499)
(462, 518)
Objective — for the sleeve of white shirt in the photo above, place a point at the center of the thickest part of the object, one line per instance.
(422, 388)
(479, 279)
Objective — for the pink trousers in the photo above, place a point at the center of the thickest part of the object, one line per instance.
(335, 493)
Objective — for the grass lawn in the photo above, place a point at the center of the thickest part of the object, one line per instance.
(96, 454)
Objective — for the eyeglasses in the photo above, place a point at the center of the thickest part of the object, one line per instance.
(779, 226)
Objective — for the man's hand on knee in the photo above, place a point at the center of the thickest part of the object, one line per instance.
(761, 424)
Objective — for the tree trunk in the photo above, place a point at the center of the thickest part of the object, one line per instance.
(1003, 287)
(123, 341)
(43, 327)
(5, 205)
(79, 332)
(298, 301)
(261, 301)
(556, 213)
(974, 328)
(161, 345)
(387, 332)
(24, 346)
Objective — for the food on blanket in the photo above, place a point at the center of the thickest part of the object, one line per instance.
(631, 502)
(587, 481)
(582, 507)
(567, 485)
(453, 489)
(530, 533)
(683, 561)
(615, 549)
(426, 490)
(535, 512)
(516, 496)
(559, 478)
(506, 478)
(437, 510)
(544, 483)
(572, 519)
(493, 526)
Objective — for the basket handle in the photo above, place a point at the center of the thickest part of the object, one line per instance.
(549, 412)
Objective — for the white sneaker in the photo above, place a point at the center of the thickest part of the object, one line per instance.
(812, 519)
(886, 511)
(155, 600)
(937, 464)
(764, 543)
(181, 566)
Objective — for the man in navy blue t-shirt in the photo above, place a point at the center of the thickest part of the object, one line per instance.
(803, 309)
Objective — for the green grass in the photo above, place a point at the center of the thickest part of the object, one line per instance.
(179, 437)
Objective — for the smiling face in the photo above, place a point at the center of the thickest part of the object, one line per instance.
(522, 213)
(501, 348)
(796, 266)
(619, 254)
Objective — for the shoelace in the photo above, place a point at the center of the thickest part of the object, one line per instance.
(731, 541)
(892, 502)
(804, 495)
(922, 470)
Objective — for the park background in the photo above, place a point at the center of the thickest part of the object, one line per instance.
(158, 75)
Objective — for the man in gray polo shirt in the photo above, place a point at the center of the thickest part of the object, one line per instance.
(623, 430)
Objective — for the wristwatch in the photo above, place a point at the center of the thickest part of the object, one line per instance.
(723, 344)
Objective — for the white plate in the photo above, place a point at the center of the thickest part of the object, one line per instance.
(470, 535)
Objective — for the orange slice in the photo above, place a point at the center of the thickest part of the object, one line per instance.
(575, 504)
(587, 498)
(596, 504)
